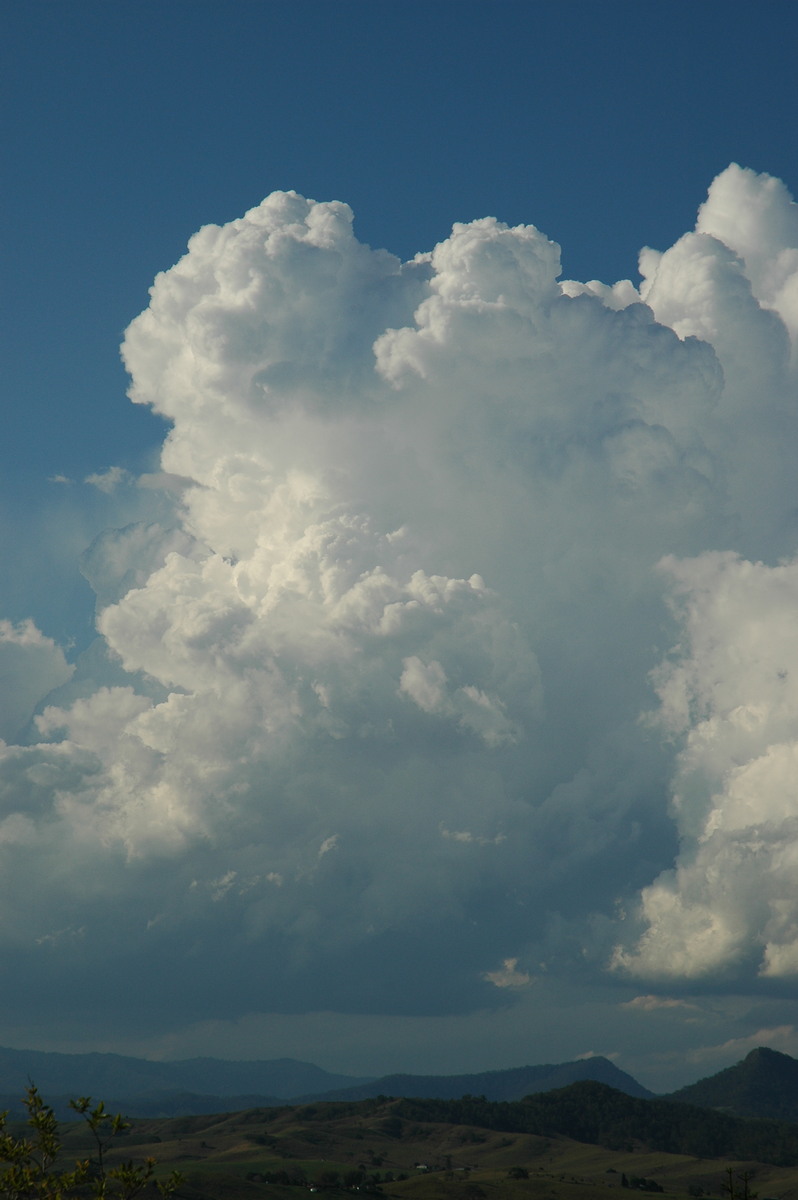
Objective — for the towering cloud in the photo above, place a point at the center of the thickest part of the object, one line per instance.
(367, 720)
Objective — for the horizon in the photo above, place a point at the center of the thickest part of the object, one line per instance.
(397, 1074)
(397, 644)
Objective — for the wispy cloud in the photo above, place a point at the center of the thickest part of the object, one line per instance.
(781, 1037)
(108, 481)
(658, 1003)
(508, 975)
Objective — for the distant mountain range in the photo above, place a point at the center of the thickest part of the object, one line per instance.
(512, 1084)
(195, 1085)
(762, 1086)
(206, 1085)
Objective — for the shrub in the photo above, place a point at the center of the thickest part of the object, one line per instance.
(33, 1169)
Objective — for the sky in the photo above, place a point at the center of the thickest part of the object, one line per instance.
(397, 639)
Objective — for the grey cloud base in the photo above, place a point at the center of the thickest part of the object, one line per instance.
(467, 655)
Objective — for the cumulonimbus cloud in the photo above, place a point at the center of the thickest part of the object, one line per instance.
(410, 586)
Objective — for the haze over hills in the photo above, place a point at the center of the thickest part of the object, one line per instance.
(116, 1075)
(206, 1085)
(512, 1084)
(763, 1085)
(416, 1145)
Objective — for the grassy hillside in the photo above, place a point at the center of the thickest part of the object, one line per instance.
(592, 1112)
(398, 1149)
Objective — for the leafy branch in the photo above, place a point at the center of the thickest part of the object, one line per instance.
(33, 1170)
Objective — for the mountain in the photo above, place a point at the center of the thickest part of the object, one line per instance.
(764, 1084)
(142, 1088)
(512, 1084)
(109, 1075)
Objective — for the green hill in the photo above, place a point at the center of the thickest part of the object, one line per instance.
(592, 1112)
(764, 1084)
(575, 1143)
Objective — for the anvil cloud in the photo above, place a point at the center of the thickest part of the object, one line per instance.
(468, 654)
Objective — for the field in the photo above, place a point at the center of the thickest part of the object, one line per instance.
(366, 1148)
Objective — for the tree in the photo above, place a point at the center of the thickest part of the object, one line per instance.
(33, 1167)
(737, 1187)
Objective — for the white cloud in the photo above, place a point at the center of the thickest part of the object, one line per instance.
(651, 1003)
(108, 481)
(730, 692)
(31, 665)
(424, 683)
(403, 585)
(473, 710)
(328, 844)
(508, 975)
(757, 218)
(465, 837)
(781, 1037)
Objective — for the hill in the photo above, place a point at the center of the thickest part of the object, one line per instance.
(571, 1144)
(764, 1084)
(142, 1088)
(592, 1112)
(512, 1084)
(116, 1075)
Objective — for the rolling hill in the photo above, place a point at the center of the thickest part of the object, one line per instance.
(571, 1144)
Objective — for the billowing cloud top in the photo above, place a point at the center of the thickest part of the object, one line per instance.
(367, 723)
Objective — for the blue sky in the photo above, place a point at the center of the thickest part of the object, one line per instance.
(129, 126)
